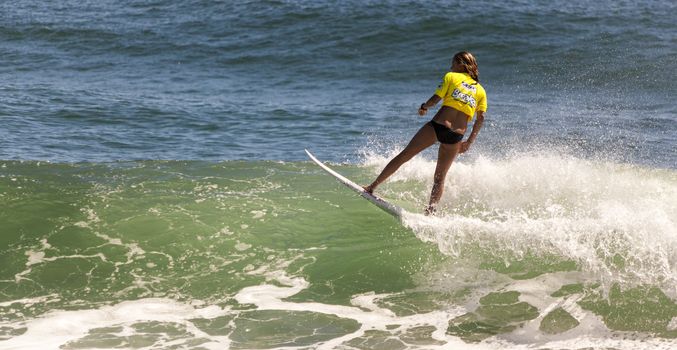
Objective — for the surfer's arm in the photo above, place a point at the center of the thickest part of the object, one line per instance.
(432, 101)
(475, 130)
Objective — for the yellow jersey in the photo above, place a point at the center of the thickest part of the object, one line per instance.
(461, 92)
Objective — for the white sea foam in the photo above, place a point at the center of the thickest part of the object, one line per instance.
(58, 327)
(240, 246)
(590, 212)
(30, 301)
(258, 214)
(673, 324)
(370, 316)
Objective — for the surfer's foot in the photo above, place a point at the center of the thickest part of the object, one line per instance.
(369, 189)
(430, 210)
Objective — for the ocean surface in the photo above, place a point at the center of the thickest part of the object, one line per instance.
(154, 191)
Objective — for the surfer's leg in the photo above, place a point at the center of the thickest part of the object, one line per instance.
(445, 157)
(424, 138)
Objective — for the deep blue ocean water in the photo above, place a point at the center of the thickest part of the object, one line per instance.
(154, 192)
(222, 80)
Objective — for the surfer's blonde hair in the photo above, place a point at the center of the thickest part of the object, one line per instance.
(466, 60)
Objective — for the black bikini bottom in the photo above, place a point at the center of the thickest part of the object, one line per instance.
(445, 135)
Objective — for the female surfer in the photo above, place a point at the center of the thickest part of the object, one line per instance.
(462, 96)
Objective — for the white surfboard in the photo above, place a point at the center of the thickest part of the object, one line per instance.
(377, 201)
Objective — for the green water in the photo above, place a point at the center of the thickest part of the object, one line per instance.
(80, 237)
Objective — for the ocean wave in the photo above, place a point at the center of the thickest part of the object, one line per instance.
(614, 220)
(211, 240)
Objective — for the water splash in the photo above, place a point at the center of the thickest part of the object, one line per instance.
(615, 220)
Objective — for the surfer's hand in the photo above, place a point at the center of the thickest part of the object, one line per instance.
(422, 110)
(465, 146)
